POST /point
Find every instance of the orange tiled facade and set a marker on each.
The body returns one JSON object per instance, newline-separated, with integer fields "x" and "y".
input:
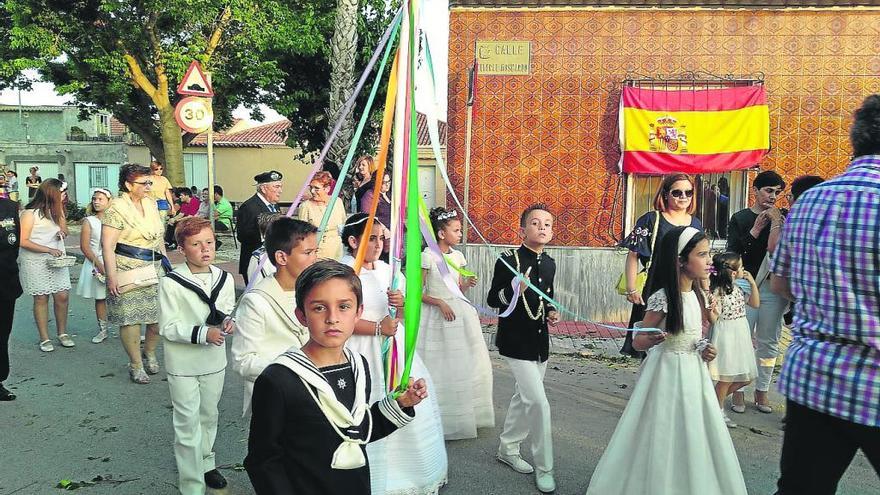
{"x": 552, "y": 136}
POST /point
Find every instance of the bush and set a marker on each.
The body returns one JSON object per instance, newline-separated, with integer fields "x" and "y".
{"x": 74, "y": 212}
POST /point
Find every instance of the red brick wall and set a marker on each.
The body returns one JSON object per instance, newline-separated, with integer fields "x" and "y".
{"x": 552, "y": 136}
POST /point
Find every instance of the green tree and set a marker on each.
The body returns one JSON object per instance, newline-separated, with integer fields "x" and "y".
{"x": 307, "y": 102}
{"x": 128, "y": 56}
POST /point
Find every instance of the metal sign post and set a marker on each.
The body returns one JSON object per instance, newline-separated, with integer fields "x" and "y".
{"x": 210, "y": 160}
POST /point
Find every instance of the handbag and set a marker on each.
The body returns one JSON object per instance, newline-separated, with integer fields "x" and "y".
{"x": 642, "y": 276}
{"x": 136, "y": 278}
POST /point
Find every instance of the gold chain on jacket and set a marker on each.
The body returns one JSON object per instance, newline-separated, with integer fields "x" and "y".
{"x": 540, "y": 312}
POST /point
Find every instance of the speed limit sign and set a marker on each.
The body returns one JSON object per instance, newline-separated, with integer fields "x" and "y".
{"x": 193, "y": 114}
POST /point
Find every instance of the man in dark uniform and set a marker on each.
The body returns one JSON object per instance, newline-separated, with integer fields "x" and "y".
{"x": 524, "y": 342}
{"x": 10, "y": 289}
{"x": 264, "y": 201}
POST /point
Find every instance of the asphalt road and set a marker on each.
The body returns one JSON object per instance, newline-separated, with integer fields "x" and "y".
{"x": 79, "y": 417}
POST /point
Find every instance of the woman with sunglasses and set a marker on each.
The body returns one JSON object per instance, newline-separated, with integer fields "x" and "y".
{"x": 161, "y": 190}
{"x": 674, "y": 206}
{"x": 312, "y": 211}
{"x": 131, "y": 239}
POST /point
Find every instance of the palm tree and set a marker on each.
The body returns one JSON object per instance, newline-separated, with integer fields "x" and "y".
{"x": 343, "y": 51}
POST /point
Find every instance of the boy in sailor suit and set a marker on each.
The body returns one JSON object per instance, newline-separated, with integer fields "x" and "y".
{"x": 311, "y": 420}
{"x": 265, "y": 319}
{"x": 524, "y": 341}
{"x": 195, "y": 300}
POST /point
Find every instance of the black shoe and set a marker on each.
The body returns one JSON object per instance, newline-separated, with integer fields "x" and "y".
{"x": 215, "y": 480}
{"x": 6, "y": 395}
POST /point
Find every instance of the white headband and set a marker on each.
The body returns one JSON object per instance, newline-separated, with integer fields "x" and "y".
{"x": 686, "y": 235}
{"x": 103, "y": 191}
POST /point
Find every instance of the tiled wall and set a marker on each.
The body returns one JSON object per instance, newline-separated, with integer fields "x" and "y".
{"x": 552, "y": 136}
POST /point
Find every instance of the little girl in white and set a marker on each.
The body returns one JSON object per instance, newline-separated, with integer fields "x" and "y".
{"x": 734, "y": 367}
{"x": 671, "y": 438}
{"x": 91, "y": 283}
{"x": 451, "y": 339}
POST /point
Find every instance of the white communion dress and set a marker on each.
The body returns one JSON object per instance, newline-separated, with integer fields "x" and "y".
{"x": 89, "y": 286}
{"x": 671, "y": 438}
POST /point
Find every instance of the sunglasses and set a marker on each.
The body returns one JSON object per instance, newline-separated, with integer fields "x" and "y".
{"x": 678, "y": 193}
{"x": 144, "y": 183}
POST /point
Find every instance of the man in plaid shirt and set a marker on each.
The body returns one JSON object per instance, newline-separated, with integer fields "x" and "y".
{"x": 828, "y": 262}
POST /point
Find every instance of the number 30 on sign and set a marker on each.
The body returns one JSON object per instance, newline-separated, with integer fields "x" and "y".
{"x": 193, "y": 114}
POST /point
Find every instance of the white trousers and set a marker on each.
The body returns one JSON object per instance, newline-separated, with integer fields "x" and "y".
{"x": 766, "y": 323}
{"x": 195, "y": 400}
{"x": 529, "y": 414}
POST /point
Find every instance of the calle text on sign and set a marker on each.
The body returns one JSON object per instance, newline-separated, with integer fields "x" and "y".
{"x": 504, "y": 58}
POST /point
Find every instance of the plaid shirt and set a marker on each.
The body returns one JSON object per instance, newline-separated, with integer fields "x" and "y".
{"x": 829, "y": 250}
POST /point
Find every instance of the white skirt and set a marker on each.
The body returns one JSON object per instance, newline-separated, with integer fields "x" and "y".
{"x": 671, "y": 438}
{"x": 88, "y": 286}
{"x": 458, "y": 360}
{"x": 412, "y": 460}
{"x": 735, "y": 361}
{"x": 38, "y": 279}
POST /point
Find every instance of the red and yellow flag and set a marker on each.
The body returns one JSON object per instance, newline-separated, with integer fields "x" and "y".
{"x": 693, "y": 131}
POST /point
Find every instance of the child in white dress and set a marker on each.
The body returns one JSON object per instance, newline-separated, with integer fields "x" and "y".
{"x": 450, "y": 334}
{"x": 413, "y": 460}
{"x": 671, "y": 438}
{"x": 91, "y": 284}
{"x": 734, "y": 367}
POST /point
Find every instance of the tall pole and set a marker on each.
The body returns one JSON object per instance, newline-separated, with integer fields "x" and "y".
{"x": 210, "y": 160}
{"x": 472, "y": 88}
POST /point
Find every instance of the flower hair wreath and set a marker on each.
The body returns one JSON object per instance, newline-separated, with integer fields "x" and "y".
{"x": 447, "y": 215}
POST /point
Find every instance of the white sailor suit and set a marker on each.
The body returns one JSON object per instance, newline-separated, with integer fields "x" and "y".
{"x": 195, "y": 368}
{"x": 266, "y": 327}
{"x": 524, "y": 342}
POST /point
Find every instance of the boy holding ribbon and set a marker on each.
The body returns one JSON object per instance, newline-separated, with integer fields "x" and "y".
{"x": 311, "y": 420}
{"x": 524, "y": 342}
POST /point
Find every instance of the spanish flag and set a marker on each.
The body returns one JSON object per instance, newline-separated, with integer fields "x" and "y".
{"x": 694, "y": 131}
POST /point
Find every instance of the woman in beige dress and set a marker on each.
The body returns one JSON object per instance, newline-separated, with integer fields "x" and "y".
{"x": 312, "y": 211}
{"x": 133, "y": 248}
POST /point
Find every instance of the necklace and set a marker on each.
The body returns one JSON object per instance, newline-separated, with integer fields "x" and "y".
{"x": 539, "y": 313}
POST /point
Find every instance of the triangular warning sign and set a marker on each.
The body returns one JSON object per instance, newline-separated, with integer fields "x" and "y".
{"x": 195, "y": 83}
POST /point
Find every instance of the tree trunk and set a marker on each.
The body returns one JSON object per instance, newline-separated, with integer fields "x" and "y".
{"x": 172, "y": 142}
{"x": 343, "y": 50}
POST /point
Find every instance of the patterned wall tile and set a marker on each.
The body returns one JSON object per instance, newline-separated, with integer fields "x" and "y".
{"x": 552, "y": 136}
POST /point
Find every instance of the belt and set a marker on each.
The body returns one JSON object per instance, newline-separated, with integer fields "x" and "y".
{"x": 142, "y": 254}
{"x": 834, "y": 339}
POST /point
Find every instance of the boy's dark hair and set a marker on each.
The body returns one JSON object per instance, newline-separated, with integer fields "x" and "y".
{"x": 769, "y": 178}
{"x": 322, "y": 271}
{"x": 354, "y": 227}
{"x": 264, "y": 219}
{"x": 525, "y": 214}
{"x": 284, "y": 234}
{"x": 665, "y": 271}
{"x": 865, "y": 132}
{"x": 802, "y": 183}
{"x": 218, "y": 190}
{"x": 441, "y": 217}
{"x": 184, "y": 191}
{"x": 722, "y": 279}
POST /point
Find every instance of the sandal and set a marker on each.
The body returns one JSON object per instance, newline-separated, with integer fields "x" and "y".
{"x": 151, "y": 364}
{"x": 46, "y": 346}
{"x": 137, "y": 375}
{"x": 738, "y": 408}
{"x": 66, "y": 341}
{"x": 764, "y": 408}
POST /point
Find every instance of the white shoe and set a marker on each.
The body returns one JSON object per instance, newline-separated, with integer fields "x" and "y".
{"x": 515, "y": 462}
{"x": 65, "y": 340}
{"x": 545, "y": 481}
{"x": 729, "y": 422}
{"x": 99, "y": 337}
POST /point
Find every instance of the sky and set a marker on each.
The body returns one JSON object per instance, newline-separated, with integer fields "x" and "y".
{"x": 435, "y": 24}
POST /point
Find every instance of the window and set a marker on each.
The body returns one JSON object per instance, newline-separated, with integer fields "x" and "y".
{"x": 102, "y": 125}
{"x": 718, "y": 196}
{"x": 98, "y": 177}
